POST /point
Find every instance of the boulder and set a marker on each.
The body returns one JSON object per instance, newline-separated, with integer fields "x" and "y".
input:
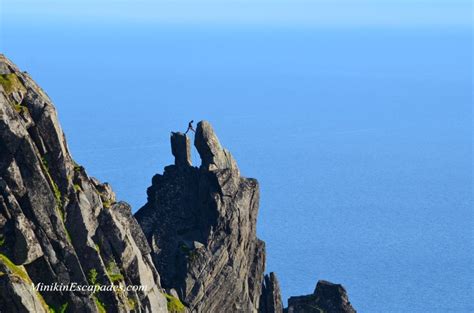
{"x": 327, "y": 297}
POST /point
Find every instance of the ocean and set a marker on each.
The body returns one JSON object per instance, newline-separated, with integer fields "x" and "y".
{"x": 361, "y": 139}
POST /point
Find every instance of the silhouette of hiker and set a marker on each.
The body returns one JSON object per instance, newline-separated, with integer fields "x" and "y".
{"x": 190, "y": 127}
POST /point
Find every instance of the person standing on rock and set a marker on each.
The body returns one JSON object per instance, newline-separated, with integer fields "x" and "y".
{"x": 190, "y": 127}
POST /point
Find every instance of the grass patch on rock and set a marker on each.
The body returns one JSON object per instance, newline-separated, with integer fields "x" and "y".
{"x": 19, "y": 108}
{"x": 92, "y": 276}
{"x": 17, "y": 270}
{"x": 61, "y": 309}
{"x": 56, "y": 191}
{"x": 113, "y": 272}
{"x": 131, "y": 303}
{"x": 174, "y": 304}
{"x": 20, "y": 272}
{"x": 100, "y": 305}
{"x": 11, "y": 83}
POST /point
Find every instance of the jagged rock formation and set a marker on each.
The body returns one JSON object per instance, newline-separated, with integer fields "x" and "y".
{"x": 201, "y": 226}
{"x": 181, "y": 149}
{"x": 60, "y": 226}
{"x": 270, "y": 300}
{"x": 327, "y": 298}
{"x": 57, "y": 224}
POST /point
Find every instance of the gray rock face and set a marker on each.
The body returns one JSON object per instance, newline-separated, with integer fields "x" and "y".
{"x": 270, "y": 300}
{"x": 201, "y": 226}
{"x": 17, "y": 293}
{"x": 213, "y": 156}
{"x": 181, "y": 149}
{"x": 57, "y": 224}
{"x": 197, "y": 230}
{"x": 327, "y": 297}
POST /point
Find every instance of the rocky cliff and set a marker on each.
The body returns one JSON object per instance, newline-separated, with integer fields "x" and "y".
{"x": 201, "y": 225}
{"x": 57, "y": 224}
{"x": 193, "y": 245}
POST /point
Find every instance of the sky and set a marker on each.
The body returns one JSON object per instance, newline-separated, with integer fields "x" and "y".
{"x": 322, "y": 13}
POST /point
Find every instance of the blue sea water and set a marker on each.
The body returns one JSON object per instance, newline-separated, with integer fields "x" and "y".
{"x": 361, "y": 140}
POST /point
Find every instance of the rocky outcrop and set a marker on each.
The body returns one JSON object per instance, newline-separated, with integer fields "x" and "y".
{"x": 181, "y": 149}
{"x": 213, "y": 156}
{"x": 270, "y": 300}
{"x": 201, "y": 226}
{"x": 327, "y": 298}
{"x": 60, "y": 226}
{"x": 57, "y": 224}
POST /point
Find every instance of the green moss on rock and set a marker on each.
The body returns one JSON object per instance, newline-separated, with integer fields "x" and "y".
{"x": 92, "y": 277}
{"x": 11, "y": 83}
{"x": 113, "y": 272}
{"x": 19, "y": 108}
{"x": 56, "y": 191}
{"x": 106, "y": 203}
{"x": 131, "y": 303}
{"x": 20, "y": 272}
{"x": 174, "y": 304}
{"x": 100, "y": 305}
{"x": 16, "y": 270}
{"x": 61, "y": 309}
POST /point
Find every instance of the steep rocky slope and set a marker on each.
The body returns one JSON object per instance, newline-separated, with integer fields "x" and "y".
{"x": 201, "y": 226}
{"x": 57, "y": 224}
